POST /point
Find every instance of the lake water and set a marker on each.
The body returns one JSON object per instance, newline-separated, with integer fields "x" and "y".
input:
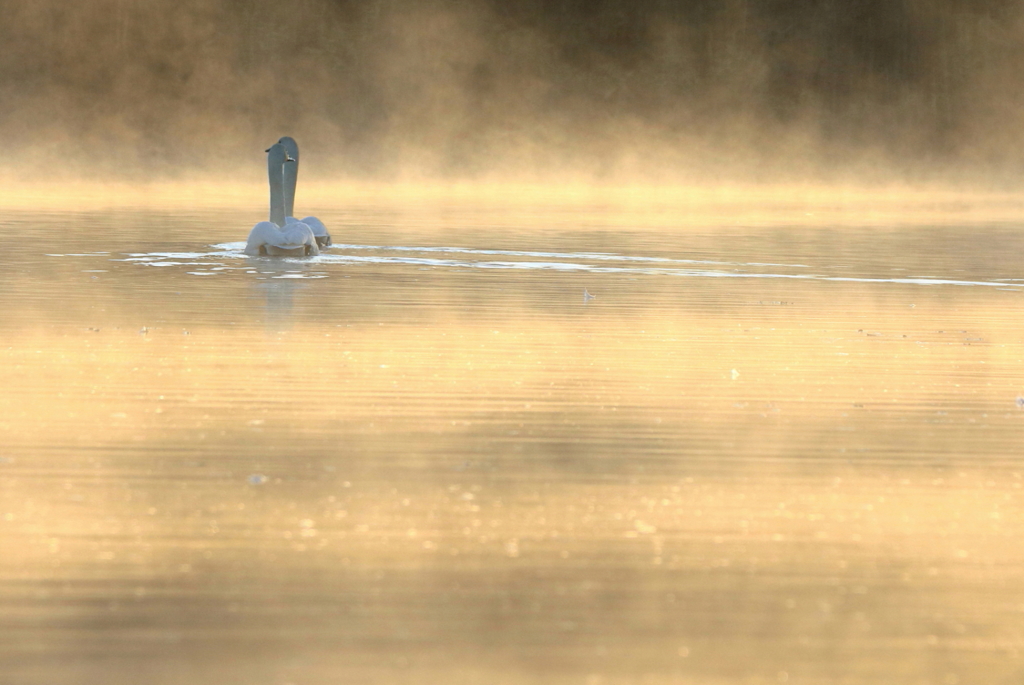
{"x": 762, "y": 452}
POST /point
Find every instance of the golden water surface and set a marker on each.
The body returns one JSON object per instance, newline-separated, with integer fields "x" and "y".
{"x": 764, "y": 451}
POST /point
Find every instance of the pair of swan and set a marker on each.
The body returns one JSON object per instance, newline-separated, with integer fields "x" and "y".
{"x": 284, "y": 235}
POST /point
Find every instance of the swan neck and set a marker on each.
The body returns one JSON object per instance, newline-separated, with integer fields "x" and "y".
{"x": 290, "y": 174}
{"x": 274, "y": 172}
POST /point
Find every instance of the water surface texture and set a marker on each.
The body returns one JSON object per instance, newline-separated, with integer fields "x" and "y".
{"x": 748, "y": 454}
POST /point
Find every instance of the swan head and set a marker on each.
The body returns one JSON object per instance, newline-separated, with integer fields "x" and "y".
{"x": 277, "y": 154}
{"x": 290, "y": 146}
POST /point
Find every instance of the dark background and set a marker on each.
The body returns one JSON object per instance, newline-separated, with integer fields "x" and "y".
{"x": 645, "y": 90}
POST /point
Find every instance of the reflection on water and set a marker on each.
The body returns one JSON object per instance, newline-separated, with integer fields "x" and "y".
{"x": 407, "y": 462}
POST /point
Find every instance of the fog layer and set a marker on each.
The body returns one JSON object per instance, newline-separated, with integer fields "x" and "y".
{"x": 648, "y": 89}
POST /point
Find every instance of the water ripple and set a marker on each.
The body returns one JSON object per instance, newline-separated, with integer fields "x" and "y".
{"x": 585, "y": 262}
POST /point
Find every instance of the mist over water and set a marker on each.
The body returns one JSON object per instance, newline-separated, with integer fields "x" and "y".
{"x": 661, "y": 342}
{"x": 649, "y": 90}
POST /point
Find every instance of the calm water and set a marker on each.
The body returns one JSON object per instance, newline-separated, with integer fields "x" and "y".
{"x": 757, "y": 455}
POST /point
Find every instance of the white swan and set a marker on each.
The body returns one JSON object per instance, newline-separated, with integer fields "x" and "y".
{"x": 291, "y": 177}
{"x": 276, "y": 238}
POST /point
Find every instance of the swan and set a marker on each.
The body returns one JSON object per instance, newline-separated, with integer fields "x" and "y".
{"x": 277, "y": 238}
{"x": 291, "y": 176}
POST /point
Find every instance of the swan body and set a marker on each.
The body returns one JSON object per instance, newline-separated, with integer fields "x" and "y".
{"x": 290, "y": 178}
{"x": 296, "y": 240}
{"x": 277, "y": 237}
{"x": 323, "y": 238}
